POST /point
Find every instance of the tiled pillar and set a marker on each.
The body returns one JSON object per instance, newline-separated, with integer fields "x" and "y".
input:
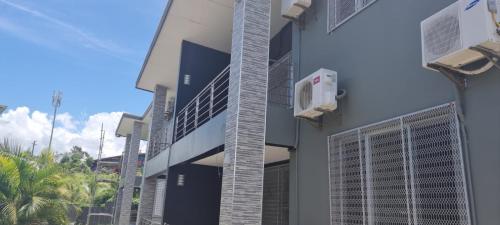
{"x": 241, "y": 201}
{"x": 119, "y": 195}
{"x": 148, "y": 185}
{"x": 130, "y": 174}
{"x": 147, "y": 199}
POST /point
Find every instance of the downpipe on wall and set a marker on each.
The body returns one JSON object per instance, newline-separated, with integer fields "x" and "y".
{"x": 459, "y": 101}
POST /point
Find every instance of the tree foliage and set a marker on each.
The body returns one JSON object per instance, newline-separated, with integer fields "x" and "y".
{"x": 41, "y": 190}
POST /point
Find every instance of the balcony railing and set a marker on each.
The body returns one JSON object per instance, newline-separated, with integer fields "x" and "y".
{"x": 212, "y": 100}
{"x": 161, "y": 140}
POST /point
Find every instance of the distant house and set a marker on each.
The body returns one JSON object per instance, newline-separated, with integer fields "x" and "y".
{"x": 113, "y": 163}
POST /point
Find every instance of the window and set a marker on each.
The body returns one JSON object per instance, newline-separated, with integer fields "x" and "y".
{"x": 161, "y": 186}
{"x": 339, "y": 11}
{"x": 407, "y": 170}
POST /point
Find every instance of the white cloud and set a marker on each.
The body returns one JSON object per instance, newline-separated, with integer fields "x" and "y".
{"x": 23, "y": 126}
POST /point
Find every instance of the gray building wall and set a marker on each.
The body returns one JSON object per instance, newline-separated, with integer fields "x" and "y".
{"x": 377, "y": 55}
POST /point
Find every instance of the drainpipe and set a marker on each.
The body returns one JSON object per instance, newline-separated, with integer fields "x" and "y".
{"x": 459, "y": 101}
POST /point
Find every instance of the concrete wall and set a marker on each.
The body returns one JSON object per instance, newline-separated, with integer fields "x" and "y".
{"x": 377, "y": 55}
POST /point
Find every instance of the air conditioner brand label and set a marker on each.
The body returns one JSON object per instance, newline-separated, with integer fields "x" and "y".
{"x": 471, "y": 4}
{"x": 316, "y": 80}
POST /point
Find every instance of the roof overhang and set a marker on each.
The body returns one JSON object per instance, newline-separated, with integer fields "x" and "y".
{"x": 126, "y": 124}
{"x": 204, "y": 22}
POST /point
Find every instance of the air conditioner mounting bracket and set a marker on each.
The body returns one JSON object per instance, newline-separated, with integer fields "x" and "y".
{"x": 489, "y": 54}
{"x": 316, "y": 122}
{"x": 453, "y": 75}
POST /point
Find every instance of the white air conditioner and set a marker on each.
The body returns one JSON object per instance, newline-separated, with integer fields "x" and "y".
{"x": 316, "y": 94}
{"x": 448, "y": 34}
{"x": 293, "y": 8}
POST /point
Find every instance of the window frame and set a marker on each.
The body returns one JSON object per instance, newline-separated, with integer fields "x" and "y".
{"x": 358, "y": 9}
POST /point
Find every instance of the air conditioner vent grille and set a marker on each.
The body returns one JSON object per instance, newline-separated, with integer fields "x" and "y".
{"x": 306, "y": 95}
{"x": 441, "y": 34}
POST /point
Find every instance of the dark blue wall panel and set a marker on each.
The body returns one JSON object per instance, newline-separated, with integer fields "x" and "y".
{"x": 198, "y": 201}
{"x": 203, "y": 64}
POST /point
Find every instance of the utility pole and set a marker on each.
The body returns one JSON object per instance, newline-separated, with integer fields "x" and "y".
{"x": 33, "y": 148}
{"x": 96, "y": 173}
{"x": 56, "y": 102}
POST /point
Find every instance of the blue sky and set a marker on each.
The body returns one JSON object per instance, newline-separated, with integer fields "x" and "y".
{"x": 91, "y": 50}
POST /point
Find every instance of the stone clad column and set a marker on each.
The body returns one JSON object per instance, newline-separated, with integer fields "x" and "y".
{"x": 123, "y": 166}
{"x": 130, "y": 174}
{"x": 242, "y": 183}
{"x": 149, "y": 184}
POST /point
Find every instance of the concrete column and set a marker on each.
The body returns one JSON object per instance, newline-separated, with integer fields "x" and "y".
{"x": 147, "y": 199}
{"x": 148, "y": 185}
{"x": 130, "y": 174}
{"x": 158, "y": 112}
{"x": 123, "y": 166}
{"x": 241, "y": 200}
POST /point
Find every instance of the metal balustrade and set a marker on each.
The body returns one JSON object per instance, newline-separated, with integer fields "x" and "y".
{"x": 212, "y": 100}
{"x": 160, "y": 141}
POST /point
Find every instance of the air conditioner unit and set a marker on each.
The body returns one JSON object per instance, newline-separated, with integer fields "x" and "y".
{"x": 448, "y": 35}
{"x": 316, "y": 94}
{"x": 294, "y": 8}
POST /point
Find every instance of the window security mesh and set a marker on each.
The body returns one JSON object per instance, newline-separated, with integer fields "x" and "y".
{"x": 161, "y": 186}
{"x": 339, "y": 11}
{"x": 407, "y": 170}
{"x": 280, "y": 86}
{"x": 275, "y": 200}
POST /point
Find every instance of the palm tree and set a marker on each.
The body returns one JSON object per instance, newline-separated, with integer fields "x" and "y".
{"x": 31, "y": 191}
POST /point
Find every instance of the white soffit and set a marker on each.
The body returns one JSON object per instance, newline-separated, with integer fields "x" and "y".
{"x": 205, "y": 22}
{"x": 127, "y": 123}
{"x": 273, "y": 154}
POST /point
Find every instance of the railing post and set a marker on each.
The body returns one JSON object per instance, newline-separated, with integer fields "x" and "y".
{"x": 176, "y": 123}
{"x": 196, "y": 112}
{"x": 211, "y": 99}
{"x": 185, "y": 121}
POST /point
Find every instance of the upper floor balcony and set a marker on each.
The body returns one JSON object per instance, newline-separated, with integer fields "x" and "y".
{"x": 212, "y": 100}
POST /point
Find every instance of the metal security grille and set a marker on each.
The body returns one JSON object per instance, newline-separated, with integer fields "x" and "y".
{"x": 161, "y": 186}
{"x": 339, "y": 11}
{"x": 280, "y": 88}
{"x": 407, "y": 170}
{"x": 275, "y": 198}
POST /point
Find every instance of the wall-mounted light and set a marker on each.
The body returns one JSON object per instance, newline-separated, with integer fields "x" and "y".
{"x": 187, "y": 79}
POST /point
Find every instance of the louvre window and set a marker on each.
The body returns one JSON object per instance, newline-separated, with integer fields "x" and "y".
{"x": 339, "y": 11}
{"x": 161, "y": 186}
{"x": 407, "y": 170}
